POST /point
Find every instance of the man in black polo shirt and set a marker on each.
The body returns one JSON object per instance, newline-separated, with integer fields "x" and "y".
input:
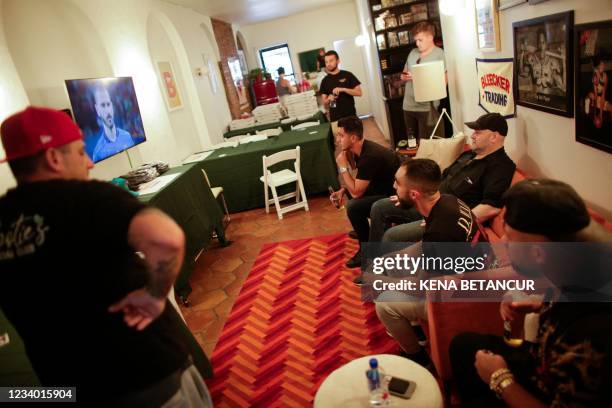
{"x": 479, "y": 178}
{"x": 376, "y": 166}
{"x": 85, "y": 269}
{"x": 338, "y": 90}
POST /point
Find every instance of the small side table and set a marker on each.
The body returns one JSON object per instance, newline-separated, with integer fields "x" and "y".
{"x": 407, "y": 154}
{"x": 348, "y": 387}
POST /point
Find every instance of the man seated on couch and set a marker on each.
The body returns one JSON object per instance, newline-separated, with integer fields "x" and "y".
{"x": 570, "y": 363}
{"x": 376, "y": 166}
{"x": 447, "y": 219}
{"x": 478, "y": 177}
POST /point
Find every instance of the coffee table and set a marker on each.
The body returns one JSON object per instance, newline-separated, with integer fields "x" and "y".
{"x": 348, "y": 387}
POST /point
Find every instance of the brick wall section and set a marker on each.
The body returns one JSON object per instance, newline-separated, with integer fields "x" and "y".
{"x": 227, "y": 49}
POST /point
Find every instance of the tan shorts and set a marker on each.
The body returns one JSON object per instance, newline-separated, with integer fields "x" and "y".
{"x": 334, "y": 128}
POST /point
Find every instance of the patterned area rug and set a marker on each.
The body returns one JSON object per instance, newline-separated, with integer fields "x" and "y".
{"x": 298, "y": 317}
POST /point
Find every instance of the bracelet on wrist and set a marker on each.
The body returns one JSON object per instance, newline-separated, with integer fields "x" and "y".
{"x": 500, "y": 380}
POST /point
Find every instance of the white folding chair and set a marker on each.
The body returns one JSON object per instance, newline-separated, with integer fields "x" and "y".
{"x": 218, "y": 191}
{"x": 305, "y": 125}
{"x": 270, "y": 132}
{"x": 282, "y": 177}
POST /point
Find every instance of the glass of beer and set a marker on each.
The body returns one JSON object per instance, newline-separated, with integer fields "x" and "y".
{"x": 337, "y": 202}
{"x": 514, "y": 332}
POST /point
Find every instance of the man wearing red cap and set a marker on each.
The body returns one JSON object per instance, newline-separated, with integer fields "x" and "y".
{"x": 96, "y": 266}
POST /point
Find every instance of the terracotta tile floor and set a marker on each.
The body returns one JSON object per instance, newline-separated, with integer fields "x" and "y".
{"x": 220, "y": 272}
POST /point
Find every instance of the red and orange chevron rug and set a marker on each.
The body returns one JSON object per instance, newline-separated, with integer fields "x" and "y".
{"x": 298, "y": 317}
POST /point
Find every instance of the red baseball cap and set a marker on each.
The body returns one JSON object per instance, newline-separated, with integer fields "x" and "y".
{"x": 35, "y": 129}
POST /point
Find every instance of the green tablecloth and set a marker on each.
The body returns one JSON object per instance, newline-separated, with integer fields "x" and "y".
{"x": 189, "y": 201}
{"x": 320, "y": 116}
{"x": 15, "y": 367}
{"x": 238, "y": 169}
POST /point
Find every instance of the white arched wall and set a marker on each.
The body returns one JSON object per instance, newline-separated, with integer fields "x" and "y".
{"x": 213, "y": 104}
{"x": 54, "y": 40}
{"x": 12, "y": 97}
{"x": 51, "y": 41}
{"x": 165, "y": 45}
{"x": 240, "y": 40}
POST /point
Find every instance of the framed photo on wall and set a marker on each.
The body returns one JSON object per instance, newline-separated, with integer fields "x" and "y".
{"x": 544, "y": 68}
{"x": 593, "y": 67}
{"x": 487, "y": 25}
{"x": 504, "y": 4}
{"x": 169, "y": 85}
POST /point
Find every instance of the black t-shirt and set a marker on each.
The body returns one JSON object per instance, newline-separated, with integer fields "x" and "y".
{"x": 345, "y": 103}
{"x": 378, "y": 165}
{"x": 451, "y": 220}
{"x": 64, "y": 259}
{"x": 482, "y": 181}
{"x": 452, "y": 230}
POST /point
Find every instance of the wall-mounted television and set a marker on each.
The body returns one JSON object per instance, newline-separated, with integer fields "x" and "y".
{"x": 106, "y": 110}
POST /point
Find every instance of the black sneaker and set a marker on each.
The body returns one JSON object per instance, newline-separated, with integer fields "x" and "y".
{"x": 421, "y": 358}
{"x": 420, "y": 334}
{"x": 355, "y": 261}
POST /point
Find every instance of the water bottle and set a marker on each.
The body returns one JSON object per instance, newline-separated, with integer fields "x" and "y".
{"x": 412, "y": 142}
{"x": 379, "y": 395}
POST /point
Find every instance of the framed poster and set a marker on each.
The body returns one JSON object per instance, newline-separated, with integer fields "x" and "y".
{"x": 593, "y": 66}
{"x": 487, "y": 25}
{"x": 212, "y": 73}
{"x": 169, "y": 85}
{"x": 544, "y": 69}
{"x": 495, "y": 86}
{"x": 504, "y": 4}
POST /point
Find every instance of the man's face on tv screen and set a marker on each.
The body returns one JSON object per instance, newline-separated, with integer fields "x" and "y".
{"x": 104, "y": 108}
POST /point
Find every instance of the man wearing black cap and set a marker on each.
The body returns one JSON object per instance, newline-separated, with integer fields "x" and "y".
{"x": 85, "y": 270}
{"x": 478, "y": 177}
{"x": 570, "y": 363}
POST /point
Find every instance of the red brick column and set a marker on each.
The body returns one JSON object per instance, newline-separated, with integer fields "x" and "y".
{"x": 227, "y": 49}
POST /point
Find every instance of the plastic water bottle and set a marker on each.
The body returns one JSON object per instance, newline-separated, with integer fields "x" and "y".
{"x": 379, "y": 395}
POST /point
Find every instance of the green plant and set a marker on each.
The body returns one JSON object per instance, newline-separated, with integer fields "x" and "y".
{"x": 256, "y": 74}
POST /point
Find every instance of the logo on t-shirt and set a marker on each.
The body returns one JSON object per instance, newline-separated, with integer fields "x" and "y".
{"x": 22, "y": 237}
{"x": 342, "y": 80}
{"x": 465, "y": 220}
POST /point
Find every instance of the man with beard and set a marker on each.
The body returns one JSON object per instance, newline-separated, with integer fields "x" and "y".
{"x": 570, "y": 362}
{"x": 338, "y": 90}
{"x": 376, "y": 166}
{"x": 447, "y": 219}
{"x": 111, "y": 139}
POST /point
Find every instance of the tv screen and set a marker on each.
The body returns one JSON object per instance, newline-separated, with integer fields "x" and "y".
{"x": 106, "y": 110}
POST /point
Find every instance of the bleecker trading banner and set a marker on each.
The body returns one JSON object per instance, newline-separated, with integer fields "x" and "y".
{"x": 495, "y": 86}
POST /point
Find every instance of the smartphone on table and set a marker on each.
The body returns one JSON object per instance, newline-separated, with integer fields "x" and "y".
{"x": 401, "y": 388}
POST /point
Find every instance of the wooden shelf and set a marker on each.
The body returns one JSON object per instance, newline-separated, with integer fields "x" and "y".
{"x": 403, "y": 27}
{"x": 391, "y": 71}
{"x": 397, "y": 6}
{"x": 400, "y": 48}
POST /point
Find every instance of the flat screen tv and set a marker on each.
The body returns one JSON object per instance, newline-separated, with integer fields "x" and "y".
{"x": 106, "y": 110}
